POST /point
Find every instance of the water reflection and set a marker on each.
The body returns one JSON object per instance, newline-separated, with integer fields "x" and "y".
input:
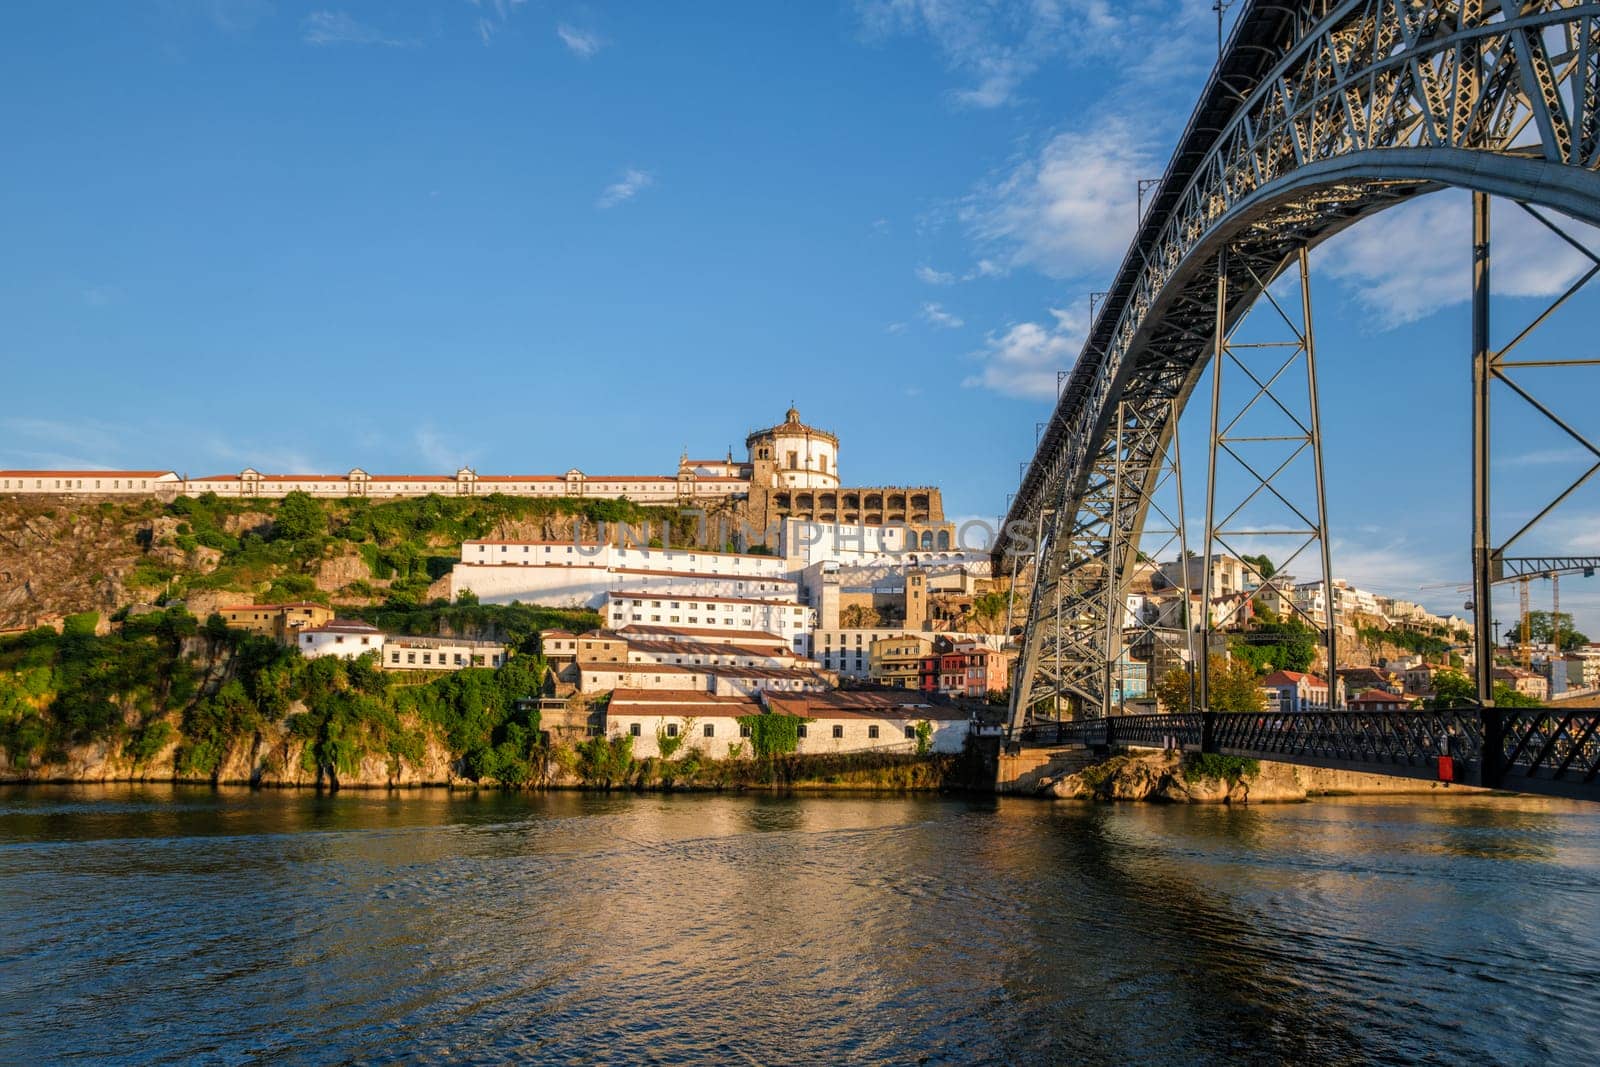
{"x": 776, "y": 929}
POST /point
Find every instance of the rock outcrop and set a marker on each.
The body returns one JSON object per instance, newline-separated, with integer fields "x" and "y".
{"x": 1170, "y": 777}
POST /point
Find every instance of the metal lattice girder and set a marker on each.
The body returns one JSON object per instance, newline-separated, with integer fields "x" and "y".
{"x": 1318, "y": 114}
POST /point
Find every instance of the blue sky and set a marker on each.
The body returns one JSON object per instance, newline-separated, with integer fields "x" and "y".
{"x": 534, "y": 235}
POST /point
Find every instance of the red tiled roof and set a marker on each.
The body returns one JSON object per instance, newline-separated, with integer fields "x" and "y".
{"x": 274, "y": 607}
{"x": 1277, "y": 678}
{"x": 903, "y": 704}
{"x": 755, "y": 638}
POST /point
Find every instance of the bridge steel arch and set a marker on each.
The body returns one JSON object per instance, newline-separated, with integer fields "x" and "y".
{"x": 1319, "y": 113}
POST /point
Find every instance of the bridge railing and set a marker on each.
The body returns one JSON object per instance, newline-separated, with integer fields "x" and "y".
{"x": 1545, "y": 750}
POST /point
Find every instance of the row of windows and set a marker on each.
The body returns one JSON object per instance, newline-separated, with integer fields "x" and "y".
{"x": 460, "y": 660}
{"x": 710, "y": 730}
{"x": 38, "y": 483}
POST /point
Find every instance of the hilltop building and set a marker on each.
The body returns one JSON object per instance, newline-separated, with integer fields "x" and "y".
{"x": 791, "y": 469}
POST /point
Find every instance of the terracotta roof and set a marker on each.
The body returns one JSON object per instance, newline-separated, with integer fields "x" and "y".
{"x": 557, "y": 633}
{"x": 704, "y": 648}
{"x": 274, "y": 607}
{"x": 675, "y": 696}
{"x": 757, "y": 638}
{"x": 675, "y": 703}
{"x": 1277, "y": 678}
{"x": 899, "y": 704}
{"x": 642, "y": 668}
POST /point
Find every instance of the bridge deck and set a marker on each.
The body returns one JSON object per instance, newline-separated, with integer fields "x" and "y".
{"x": 1551, "y": 751}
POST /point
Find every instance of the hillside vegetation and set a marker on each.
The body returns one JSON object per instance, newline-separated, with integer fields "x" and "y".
{"x": 58, "y": 556}
{"x": 167, "y": 696}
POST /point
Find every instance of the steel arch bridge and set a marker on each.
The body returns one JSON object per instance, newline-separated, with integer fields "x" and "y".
{"x": 1319, "y": 113}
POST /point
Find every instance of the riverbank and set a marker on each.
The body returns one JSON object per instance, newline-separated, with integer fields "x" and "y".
{"x": 1193, "y": 778}
{"x": 593, "y": 767}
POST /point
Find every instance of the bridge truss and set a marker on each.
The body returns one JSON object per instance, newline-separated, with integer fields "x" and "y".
{"x": 1318, "y": 114}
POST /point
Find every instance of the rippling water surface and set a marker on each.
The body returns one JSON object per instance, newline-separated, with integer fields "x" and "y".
{"x": 154, "y": 924}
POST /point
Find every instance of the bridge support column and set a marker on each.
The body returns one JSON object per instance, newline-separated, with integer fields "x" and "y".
{"x": 1270, "y": 438}
{"x": 1482, "y": 374}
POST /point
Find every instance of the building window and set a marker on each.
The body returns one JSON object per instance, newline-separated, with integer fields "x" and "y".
{"x": 838, "y": 731}
{"x": 711, "y": 730}
{"x": 800, "y": 731}
{"x": 911, "y": 732}
{"x": 672, "y": 729}
{"x": 872, "y": 731}
{"x": 633, "y": 729}
{"x": 744, "y": 731}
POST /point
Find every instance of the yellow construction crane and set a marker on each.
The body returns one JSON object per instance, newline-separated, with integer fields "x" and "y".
{"x": 1522, "y": 601}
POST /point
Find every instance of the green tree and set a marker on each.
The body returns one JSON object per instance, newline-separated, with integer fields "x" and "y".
{"x": 299, "y": 518}
{"x": 1507, "y": 697}
{"x": 1173, "y": 690}
{"x": 1542, "y": 626}
{"x": 1263, "y": 566}
{"x": 1277, "y": 646}
{"x": 1233, "y": 686}
{"x": 1452, "y": 689}
{"x": 988, "y": 611}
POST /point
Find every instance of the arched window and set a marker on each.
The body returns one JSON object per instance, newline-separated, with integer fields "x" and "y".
{"x": 927, "y": 539}
{"x": 944, "y": 539}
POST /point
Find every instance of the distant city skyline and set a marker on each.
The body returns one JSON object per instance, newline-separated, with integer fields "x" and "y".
{"x": 523, "y": 238}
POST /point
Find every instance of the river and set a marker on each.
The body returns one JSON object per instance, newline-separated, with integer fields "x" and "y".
{"x": 160, "y": 924}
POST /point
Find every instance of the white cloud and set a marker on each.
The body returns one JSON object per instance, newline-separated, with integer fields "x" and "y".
{"x": 50, "y": 443}
{"x": 1436, "y": 270}
{"x": 1547, "y": 457}
{"x": 581, "y": 43}
{"x": 934, "y": 277}
{"x": 337, "y": 27}
{"x": 936, "y": 315}
{"x": 995, "y": 46}
{"x": 1023, "y": 360}
{"x": 625, "y": 189}
{"x": 237, "y": 16}
{"x": 1069, "y": 211}
{"x": 895, "y": 327}
{"x": 439, "y": 453}
{"x": 496, "y": 13}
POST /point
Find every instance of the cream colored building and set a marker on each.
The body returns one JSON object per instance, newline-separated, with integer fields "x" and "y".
{"x": 440, "y": 654}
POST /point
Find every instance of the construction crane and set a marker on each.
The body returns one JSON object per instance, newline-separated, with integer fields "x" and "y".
{"x": 1522, "y": 603}
{"x": 1522, "y": 571}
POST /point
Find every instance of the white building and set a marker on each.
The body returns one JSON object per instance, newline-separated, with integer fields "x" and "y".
{"x": 341, "y": 637}
{"x": 803, "y": 457}
{"x": 708, "y": 724}
{"x": 440, "y": 654}
{"x": 564, "y": 574}
{"x": 835, "y": 722}
{"x": 791, "y": 621}
{"x": 860, "y": 721}
{"x": 722, "y": 680}
{"x": 110, "y": 483}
